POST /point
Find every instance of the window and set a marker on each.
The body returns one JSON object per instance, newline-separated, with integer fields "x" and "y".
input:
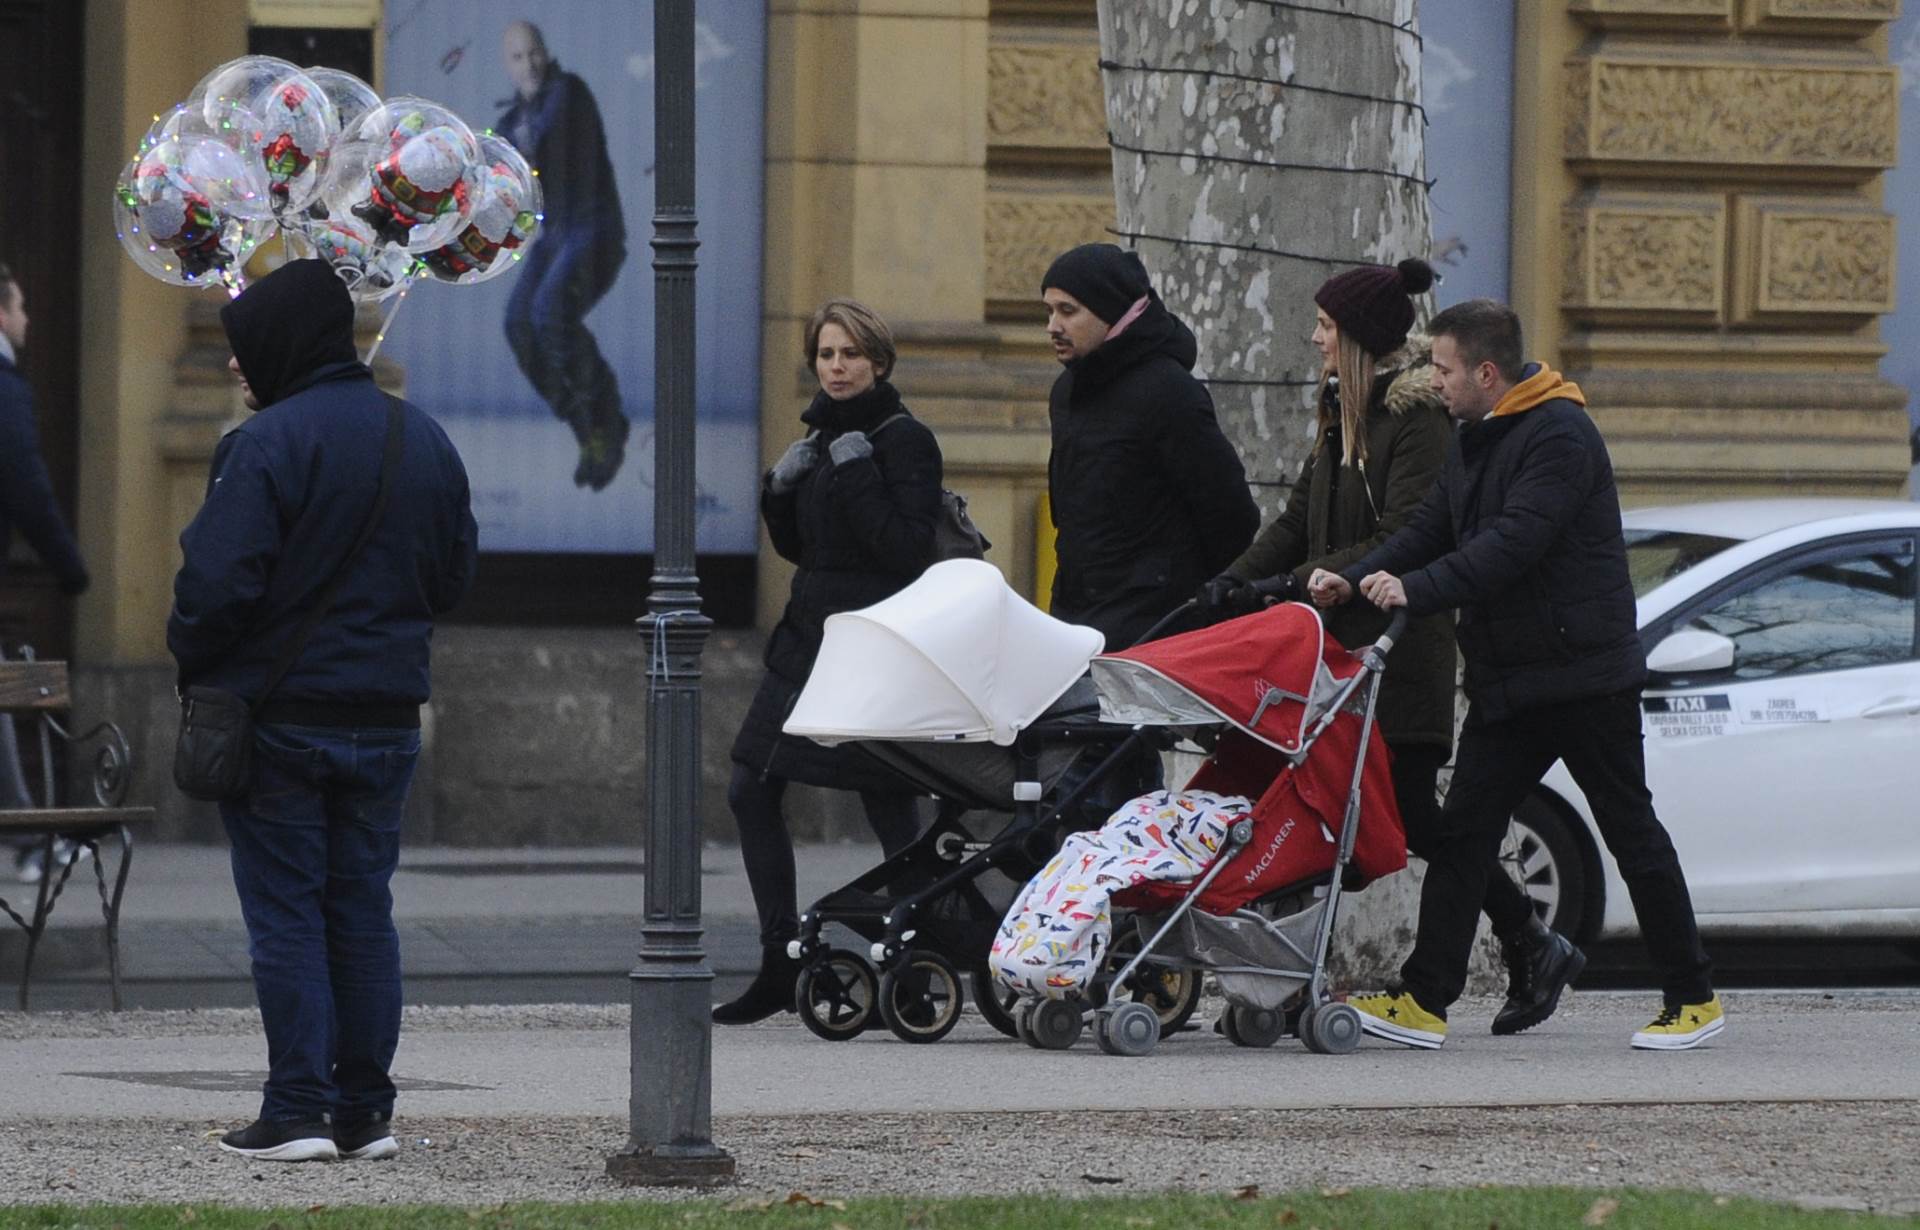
{"x": 1655, "y": 557}
{"x": 1846, "y": 609}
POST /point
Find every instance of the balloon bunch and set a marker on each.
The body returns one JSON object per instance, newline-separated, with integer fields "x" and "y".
{"x": 385, "y": 191}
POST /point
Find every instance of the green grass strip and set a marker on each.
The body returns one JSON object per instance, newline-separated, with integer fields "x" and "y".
{"x": 1333, "y": 1209}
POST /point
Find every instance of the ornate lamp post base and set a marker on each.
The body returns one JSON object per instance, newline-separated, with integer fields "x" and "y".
{"x": 669, "y": 1166}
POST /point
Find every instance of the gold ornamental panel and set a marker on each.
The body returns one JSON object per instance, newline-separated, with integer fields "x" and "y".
{"x": 1706, "y": 15}
{"x": 1046, "y": 95}
{"x": 1798, "y": 260}
{"x": 1847, "y": 18}
{"x": 1645, "y": 256}
{"x": 1025, "y": 232}
{"x": 1631, "y": 114}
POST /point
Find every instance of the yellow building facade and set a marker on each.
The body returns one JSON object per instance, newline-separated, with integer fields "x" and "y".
{"x": 1697, "y": 237}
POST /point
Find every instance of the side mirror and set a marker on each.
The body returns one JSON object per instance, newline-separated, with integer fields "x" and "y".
{"x": 1691, "y": 651}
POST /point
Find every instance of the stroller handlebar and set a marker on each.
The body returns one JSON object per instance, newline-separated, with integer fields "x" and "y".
{"x": 1396, "y": 625}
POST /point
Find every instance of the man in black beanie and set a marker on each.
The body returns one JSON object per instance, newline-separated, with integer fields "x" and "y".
{"x": 1148, "y": 496}
{"x": 316, "y": 831}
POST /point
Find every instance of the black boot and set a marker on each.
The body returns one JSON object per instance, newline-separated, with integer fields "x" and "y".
{"x": 770, "y": 992}
{"x": 1540, "y": 964}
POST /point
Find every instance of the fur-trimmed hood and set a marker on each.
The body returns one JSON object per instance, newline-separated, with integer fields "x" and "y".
{"x": 1409, "y": 374}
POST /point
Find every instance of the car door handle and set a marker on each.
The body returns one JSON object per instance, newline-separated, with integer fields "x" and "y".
{"x": 1902, "y": 706}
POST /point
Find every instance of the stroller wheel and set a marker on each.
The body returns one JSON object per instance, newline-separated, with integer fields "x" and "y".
{"x": 837, "y": 995}
{"x": 995, "y": 1002}
{"x": 920, "y": 998}
{"x": 1172, "y": 992}
{"x": 1131, "y": 1029}
{"x": 1054, "y": 1024}
{"x": 1247, "y": 1026}
{"x": 1334, "y": 1027}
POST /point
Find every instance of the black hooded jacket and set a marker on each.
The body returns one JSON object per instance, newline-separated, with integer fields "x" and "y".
{"x": 1149, "y": 497}
{"x": 1522, "y": 535}
{"x": 288, "y": 494}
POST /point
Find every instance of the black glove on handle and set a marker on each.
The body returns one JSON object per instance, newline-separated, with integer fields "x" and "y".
{"x": 1218, "y": 594}
{"x": 1284, "y": 588}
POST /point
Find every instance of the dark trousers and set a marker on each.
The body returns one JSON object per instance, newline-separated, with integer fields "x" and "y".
{"x": 315, "y": 842}
{"x": 1416, "y": 776}
{"x": 1499, "y": 763}
{"x": 562, "y": 277}
{"x": 766, "y": 847}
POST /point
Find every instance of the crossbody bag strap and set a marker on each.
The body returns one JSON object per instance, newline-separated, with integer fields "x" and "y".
{"x": 389, "y": 462}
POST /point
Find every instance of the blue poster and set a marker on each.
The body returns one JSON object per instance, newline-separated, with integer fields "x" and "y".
{"x": 544, "y": 376}
{"x": 1901, "y": 330}
{"x": 1466, "y": 85}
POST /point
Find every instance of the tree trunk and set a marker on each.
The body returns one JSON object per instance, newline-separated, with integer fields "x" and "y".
{"x": 1260, "y": 147}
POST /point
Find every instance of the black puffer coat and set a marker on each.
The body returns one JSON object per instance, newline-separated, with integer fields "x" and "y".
{"x": 1149, "y": 497}
{"x": 1522, "y": 534}
{"x": 859, "y": 532}
{"x": 1333, "y": 517}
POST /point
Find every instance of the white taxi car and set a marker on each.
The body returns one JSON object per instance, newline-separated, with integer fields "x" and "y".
{"x": 1782, "y": 720}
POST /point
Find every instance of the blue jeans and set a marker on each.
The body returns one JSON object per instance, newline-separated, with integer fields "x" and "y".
{"x": 315, "y": 842}
{"x": 562, "y": 278}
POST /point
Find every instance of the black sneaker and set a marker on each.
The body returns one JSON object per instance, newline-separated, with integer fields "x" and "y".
{"x": 283, "y": 1140}
{"x": 365, "y": 1140}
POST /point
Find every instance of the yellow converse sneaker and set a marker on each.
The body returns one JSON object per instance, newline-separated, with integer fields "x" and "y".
{"x": 1682, "y": 1028}
{"x": 1396, "y": 1017}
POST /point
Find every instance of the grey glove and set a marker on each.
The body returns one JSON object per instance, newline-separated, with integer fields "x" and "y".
{"x": 850, "y": 447}
{"x": 802, "y": 455}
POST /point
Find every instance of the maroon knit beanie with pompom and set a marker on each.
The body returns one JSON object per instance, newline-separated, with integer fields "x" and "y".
{"x": 1373, "y": 304}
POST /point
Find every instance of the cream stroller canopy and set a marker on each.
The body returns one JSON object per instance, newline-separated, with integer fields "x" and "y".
{"x": 955, "y": 656}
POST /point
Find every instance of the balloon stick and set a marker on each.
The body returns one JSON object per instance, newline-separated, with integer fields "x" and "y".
{"x": 392, "y": 310}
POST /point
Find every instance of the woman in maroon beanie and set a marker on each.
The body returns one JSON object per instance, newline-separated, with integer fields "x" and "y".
{"x": 1373, "y": 459}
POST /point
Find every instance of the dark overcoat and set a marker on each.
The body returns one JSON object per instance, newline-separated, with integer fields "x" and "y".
{"x": 859, "y": 531}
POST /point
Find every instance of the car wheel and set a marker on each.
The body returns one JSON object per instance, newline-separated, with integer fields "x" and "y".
{"x": 1543, "y": 856}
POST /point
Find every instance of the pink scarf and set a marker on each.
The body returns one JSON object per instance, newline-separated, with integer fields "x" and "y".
{"x": 1133, "y": 314}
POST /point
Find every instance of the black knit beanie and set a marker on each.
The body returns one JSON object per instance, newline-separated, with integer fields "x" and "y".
{"x": 1372, "y": 304}
{"x": 1105, "y": 278}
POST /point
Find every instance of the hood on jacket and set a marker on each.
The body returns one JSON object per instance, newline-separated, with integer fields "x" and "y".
{"x": 289, "y": 326}
{"x": 1542, "y": 385}
{"x": 1157, "y": 331}
{"x": 1408, "y": 372}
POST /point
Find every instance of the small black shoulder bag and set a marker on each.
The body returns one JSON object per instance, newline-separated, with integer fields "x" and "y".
{"x": 213, "y": 758}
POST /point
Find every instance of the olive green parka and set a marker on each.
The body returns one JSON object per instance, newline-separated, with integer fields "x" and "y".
{"x": 1332, "y": 520}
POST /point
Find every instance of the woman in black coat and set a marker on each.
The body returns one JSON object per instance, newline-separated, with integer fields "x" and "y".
{"x": 853, "y": 503}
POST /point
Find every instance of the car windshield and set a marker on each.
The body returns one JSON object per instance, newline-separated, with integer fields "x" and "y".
{"x": 1655, "y": 557}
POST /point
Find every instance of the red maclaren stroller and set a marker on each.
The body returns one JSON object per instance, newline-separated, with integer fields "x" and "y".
{"x": 1288, "y": 712}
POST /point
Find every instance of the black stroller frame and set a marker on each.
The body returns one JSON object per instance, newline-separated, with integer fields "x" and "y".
{"x": 1324, "y": 1026}
{"x": 922, "y": 909}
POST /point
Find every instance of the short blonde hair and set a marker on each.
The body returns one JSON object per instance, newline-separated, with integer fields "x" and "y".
{"x": 862, "y": 324}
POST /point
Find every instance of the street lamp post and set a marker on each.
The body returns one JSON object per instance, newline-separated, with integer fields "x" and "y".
{"x": 670, "y": 1106}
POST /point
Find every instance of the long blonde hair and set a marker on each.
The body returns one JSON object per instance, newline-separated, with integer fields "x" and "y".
{"x": 1357, "y": 368}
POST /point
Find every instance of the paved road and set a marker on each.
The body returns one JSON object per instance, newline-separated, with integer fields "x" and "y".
{"x": 1804, "y": 1098}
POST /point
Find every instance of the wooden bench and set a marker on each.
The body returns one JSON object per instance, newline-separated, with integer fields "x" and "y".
{"x": 37, "y": 695}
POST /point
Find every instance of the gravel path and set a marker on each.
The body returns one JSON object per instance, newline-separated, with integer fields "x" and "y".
{"x": 1832, "y": 1154}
